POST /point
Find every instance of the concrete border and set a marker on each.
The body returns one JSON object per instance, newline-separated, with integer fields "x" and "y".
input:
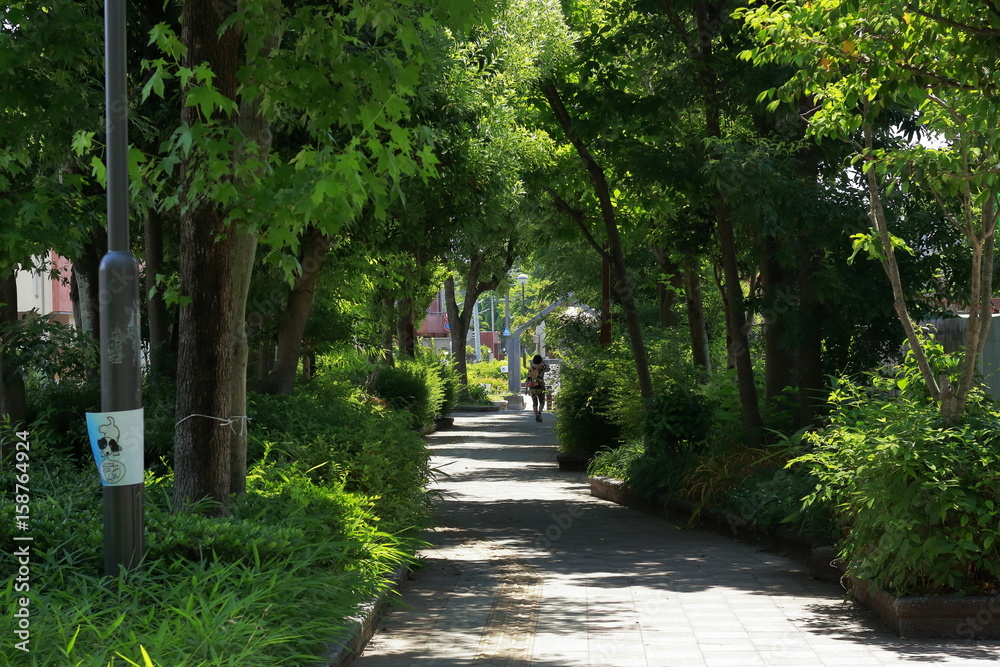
{"x": 933, "y": 617}
{"x": 361, "y": 627}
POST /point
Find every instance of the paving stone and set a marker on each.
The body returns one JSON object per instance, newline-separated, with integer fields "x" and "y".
{"x": 526, "y": 568}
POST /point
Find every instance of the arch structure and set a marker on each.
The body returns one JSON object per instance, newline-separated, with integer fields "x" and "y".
{"x": 514, "y": 344}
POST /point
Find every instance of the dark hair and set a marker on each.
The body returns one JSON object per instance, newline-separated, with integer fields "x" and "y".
{"x": 537, "y": 359}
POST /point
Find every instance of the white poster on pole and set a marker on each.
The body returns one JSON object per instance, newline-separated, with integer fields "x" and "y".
{"x": 117, "y": 440}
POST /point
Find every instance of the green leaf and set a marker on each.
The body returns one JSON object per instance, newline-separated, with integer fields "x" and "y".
{"x": 208, "y": 100}
{"x": 155, "y": 85}
{"x": 82, "y": 142}
{"x": 98, "y": 169}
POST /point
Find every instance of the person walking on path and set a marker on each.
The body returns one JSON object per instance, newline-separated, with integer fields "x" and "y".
{"x": 536, "y": 384}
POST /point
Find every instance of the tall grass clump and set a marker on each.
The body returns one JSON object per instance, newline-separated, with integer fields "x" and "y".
{"x": 335, "y": 494}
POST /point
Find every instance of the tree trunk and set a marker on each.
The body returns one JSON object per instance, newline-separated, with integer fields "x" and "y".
{"x": 308, "y": 365}
{"x": 388, "y": 326}
{"x": 877, "y": 216}
{"x": 256, "y": 132}
{"x": 779, "y": 358}
{"x": 156, "y": 308}
{"x": 281, "y": 379}
{"x": 212, "y": 322}
{"x": 667, "y": 294}
{"x": 85, "y": 268}
{"x": 700, "y": 46}
{"x": 812, "y": 384}
{"x": 605, "y": 336}
{"x": 739, "y": 344}
{"x": 406, "y": 331}
{"x": 621, "y": 287}
{"x": 459, "y": 331}
{"x": 264, "y": 363}
{"x": 700, "y": 352}
{"x": 13, "y": 399}
{"x": 810, "y": 353}
{"x": 244, "y": 252}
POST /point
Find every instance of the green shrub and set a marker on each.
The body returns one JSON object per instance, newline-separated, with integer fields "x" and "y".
{"x": 918, "y": 501}
{"x": 615, "y": 461}
{"x": 677, "y": 418}
{"x": 450, "y": 387}
{"x": 337, "y": 432}
{"x": 584, "y": 403}
{"x": 158, "y": 400}
{"x": 61, "y": 407}
{"x": 487, "y": 373}
{"x": 48, "y": 349}
{"x": 475, "y": 394}
{"x": 772, "y": 498}
{"x": 411, "y": 386}
{"x": 658, "y": 472}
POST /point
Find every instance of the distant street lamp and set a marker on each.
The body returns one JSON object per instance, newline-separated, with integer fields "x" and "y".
{"x": 523, "y": 279}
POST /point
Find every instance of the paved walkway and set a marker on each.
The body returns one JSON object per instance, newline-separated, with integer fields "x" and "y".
{"x": 526, "y": 568}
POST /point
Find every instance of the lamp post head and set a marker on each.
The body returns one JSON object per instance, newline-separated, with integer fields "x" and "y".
{"x": 523, "y": 279}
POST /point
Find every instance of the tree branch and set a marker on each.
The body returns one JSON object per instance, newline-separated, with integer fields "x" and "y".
{"x": 972, "y": 30}
{"x": 578, "y": 218}
{"x": 877, "y": 215}
{"x": 992, "y": 7}
{"x": 685, "y": 36}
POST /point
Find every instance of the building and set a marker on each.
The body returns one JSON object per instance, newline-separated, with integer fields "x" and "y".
{"x": 435, "y": 331}
{"x": 47, "y": 293}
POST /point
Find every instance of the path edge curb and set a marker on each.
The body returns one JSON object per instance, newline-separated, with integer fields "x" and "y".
{"x": 361, "y": 627}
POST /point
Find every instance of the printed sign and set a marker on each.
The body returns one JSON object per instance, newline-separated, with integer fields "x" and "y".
{"x": 116, "y": 439}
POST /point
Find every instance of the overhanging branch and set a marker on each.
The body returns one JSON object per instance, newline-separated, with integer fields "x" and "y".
{"x": 580, "y": 221}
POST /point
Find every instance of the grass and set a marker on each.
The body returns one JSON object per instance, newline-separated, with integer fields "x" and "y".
{"x": 335, "y": 496}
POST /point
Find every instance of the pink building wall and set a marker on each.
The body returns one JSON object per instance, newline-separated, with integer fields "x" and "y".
{"x": 61, "y": 303}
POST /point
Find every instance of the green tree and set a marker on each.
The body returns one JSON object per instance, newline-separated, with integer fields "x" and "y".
{"x": 342, "y": 78}
{"x": 860, "y": 60}
{"x": 47, "y": 93}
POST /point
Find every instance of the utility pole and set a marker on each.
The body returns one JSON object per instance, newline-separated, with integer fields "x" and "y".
{"x": 506, "y": 325}
{"x": 476, "y": 339}
{"x": 118, "y": 284}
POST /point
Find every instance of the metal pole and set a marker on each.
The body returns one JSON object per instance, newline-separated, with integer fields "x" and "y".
{"x": 118, "y": 283}
{"x": 476, "y": 339}
{"x": 506, "y": 325}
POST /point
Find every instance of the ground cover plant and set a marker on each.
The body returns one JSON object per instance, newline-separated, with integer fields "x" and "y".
{"x": 335, "y": 494}
{"x": 486, "y": 382}
{"x": 917, "y": 498}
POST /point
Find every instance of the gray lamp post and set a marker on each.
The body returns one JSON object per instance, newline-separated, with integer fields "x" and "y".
{"x": 118, "y": 283}
{"x": 523, "y": 279}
